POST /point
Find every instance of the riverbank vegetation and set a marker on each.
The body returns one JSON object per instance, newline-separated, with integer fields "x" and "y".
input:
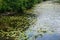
{"x": 14, "y": 6}
{"x": 13, "y": 18}
{"x": 13, "y": 26}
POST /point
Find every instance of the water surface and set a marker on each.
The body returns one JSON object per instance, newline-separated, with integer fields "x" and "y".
{"x": 47, "y": 24}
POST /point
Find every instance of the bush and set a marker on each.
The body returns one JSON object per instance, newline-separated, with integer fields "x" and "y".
{"x": 16, "y": 5}
{"x": 13, "y": 27}
{"x": 14, "y": 22}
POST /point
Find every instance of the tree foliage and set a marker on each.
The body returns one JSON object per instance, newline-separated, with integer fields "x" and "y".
{"x": 16, "y": 5}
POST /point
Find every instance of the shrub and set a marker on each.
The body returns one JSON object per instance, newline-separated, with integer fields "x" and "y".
{"x": 16, "y": 5}
{"x": 13, "y": 27}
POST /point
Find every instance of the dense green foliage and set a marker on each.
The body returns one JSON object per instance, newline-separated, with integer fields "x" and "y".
{"x": 12, "y": 27}
{"x": 17, "y": 5}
